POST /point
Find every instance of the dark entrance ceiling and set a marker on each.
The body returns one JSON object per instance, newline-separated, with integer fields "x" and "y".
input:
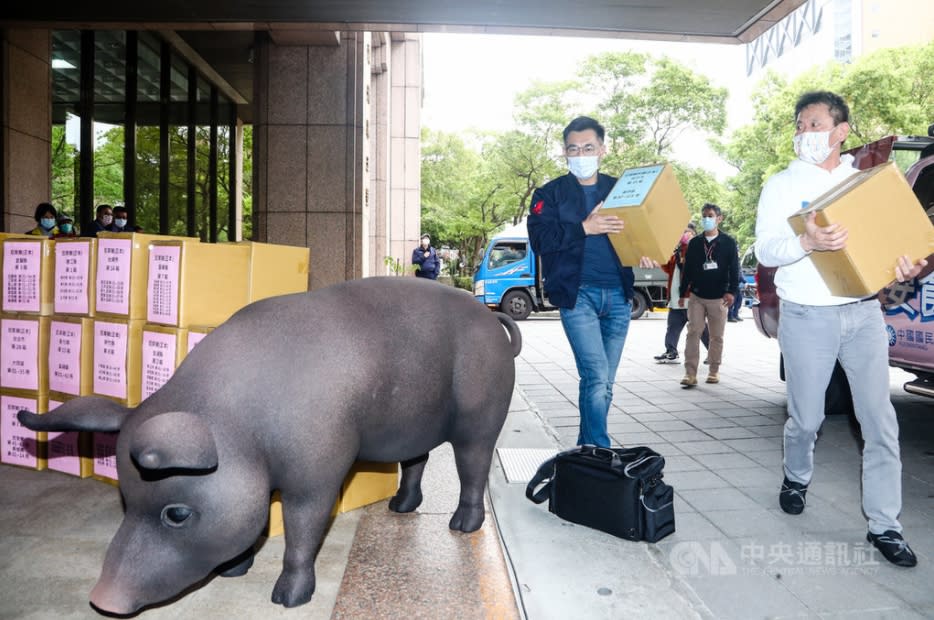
{"x": 221, "y": 31}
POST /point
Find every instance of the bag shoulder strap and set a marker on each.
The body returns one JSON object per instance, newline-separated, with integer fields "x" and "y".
{"x": 545, "y": 474}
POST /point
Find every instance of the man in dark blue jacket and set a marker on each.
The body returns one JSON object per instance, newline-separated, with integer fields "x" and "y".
{"x": 425, "y": 258}
{"x": 582, "y": 275}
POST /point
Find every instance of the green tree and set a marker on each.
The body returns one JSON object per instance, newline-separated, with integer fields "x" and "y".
{"x": 887, "y": 94}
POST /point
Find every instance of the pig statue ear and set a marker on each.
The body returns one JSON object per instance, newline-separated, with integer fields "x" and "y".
{"x": 174, "y": 440}
{"x": 90, "y": 413}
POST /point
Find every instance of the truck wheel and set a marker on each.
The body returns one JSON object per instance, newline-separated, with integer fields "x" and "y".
{"x": 639, "y": 305}
{"x": 517, "y": 304}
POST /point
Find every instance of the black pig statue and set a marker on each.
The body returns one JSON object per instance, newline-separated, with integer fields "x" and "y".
{"x": 286, "y": 395}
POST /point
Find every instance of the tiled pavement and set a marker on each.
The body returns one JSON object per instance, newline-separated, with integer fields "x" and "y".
{"x": 735, "y": 554}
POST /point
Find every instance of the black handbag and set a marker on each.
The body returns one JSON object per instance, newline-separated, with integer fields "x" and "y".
{"x": 615, "y": 490}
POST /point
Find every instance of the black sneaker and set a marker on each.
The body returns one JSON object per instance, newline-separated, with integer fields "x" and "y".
{"x": 791, "y": 497}
{"x": 667, "y": 358}
{"x": 894, "y": 548}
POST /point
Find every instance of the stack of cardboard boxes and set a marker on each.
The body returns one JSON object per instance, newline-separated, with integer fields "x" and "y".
{"x": 114, "y": 317}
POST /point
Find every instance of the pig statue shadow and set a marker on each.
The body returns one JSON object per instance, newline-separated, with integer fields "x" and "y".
{"x": 286, "y": 395}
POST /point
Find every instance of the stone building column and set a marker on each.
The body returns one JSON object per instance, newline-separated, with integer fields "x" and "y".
{"x": 311, "y": 153}
{"x": 27, "y": 125}
{"x": 405, "y": 145}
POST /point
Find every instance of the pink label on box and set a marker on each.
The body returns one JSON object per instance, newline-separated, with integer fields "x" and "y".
{"x": 162, "y": 298}
{"x": 158, "y": 360}
{"x": 110, "y": 346}
{"x": 19, "y": 354}
{"x": 194, "y": 338}
{"x": 22, "y": 263}
{"x": 65, "y": 358}
{"x": 19, "y": 443}
{"x": 63, "y": 449}
{"x": 113, "y": 275}
{"x": 105, "y": 455}
{"x": 71, "y": 277}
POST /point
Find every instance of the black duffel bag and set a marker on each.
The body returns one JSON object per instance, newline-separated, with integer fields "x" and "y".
{"x": 615, "y": 490}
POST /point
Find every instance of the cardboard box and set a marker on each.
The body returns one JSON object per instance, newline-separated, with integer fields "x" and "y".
{"x": 276, "y": 269}
{"x": 19, "y": 445}
{"x": 116, "y": 360}
{"x": 104, "y": 457}
{"x": 70, "y": 356}
{"x": 28, "y": 266}
{"x": 68, "y": 452}
{"x": 196, "y": 334}
{"x": 365, "y": 484}
{"x": 884, "y": 220}
{"x": 74, "y": 282}
{"x": 196, "y": 283}
{"x": 162, "y": 349}
{"x": 123, "y": 272}
{"x": 649, "y": 201}
{"x": 24, "y": 352}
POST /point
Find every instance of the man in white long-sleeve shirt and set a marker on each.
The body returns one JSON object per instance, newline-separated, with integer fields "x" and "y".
{"x": 817, "y": 329}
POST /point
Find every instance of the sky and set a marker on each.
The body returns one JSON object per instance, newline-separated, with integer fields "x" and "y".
{"x": 470, "y": 81}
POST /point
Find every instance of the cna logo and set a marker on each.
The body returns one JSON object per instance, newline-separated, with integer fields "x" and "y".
{"x": 890, "y": 332}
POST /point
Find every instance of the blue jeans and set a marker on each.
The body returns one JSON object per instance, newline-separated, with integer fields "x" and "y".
{"x": 596, "y": 328}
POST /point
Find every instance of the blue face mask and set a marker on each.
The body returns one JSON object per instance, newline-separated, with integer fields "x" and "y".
{"x": 65, "y": 228}
{"x": 709, "y": 223}
{"x": 47, "y": 223}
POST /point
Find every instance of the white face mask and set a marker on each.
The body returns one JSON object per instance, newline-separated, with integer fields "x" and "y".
{"x": 813, "y": 147}
{"x": 584, "y": 167}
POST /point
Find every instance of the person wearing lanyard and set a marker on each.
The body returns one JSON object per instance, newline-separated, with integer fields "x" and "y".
{"x": 710, "y": 280}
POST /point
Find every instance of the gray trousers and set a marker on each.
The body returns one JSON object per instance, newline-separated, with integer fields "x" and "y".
{"x": 812, "y": 338}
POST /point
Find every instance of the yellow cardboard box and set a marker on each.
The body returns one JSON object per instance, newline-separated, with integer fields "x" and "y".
{"x": 196, "y": 283}
{"x": 69, "y": 452}
{"x": 277, "y": 269}
{"x": 163, "y": 348}
{"x": 196, "y": 334}
{"x": 74, "y": 283}
{"x": 71, "y": 356}
{"x": 104, "y": 457}
{"x": 19, "y": 445}
{"x": 28, "y": 266}
{"x": 116, "y": 360}
{"x": 884, "y": 220}
{"x": 366, "y": 483}
{"x": 123, "y": 272}
{"x": 649, "y": 201}
{"x": 24, "y": 353}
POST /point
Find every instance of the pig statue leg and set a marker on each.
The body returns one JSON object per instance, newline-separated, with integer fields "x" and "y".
{"x": 473, "y": 461}
{"x": 305, "y": 515}
{"x": 238, "y": 566}
{"x": 409, "y": 496}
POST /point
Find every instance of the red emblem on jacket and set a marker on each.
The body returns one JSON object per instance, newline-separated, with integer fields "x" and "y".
{"x": 537, "y": 207}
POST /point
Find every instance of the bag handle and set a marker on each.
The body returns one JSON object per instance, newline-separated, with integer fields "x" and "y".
{"x": 546, "y": 474}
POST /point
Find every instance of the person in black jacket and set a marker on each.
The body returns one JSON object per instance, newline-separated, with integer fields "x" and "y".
{"x": 582, "y": 275}
{"x": 425, "y": 258}
{"x": 711, "y": 279}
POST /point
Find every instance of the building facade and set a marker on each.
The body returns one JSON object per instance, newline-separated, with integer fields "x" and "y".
{"x": 143, "y": 118}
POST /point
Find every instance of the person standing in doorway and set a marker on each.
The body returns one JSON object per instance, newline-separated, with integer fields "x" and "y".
{"x": 710, "y": 280}
{"x": 425, "y": 258}
{"x": 677, "y": 314}
{"x": 817, "y": 329}
{"x": 103, "y": 221}
{"x": 583, "y": 277}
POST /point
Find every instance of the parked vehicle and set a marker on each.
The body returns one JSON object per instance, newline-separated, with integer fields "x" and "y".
{"x": 509, "y": 279}
{"x": 908, "y": 306}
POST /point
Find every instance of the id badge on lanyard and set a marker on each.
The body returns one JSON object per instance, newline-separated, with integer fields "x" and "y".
{"x": 710, "y": 263}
